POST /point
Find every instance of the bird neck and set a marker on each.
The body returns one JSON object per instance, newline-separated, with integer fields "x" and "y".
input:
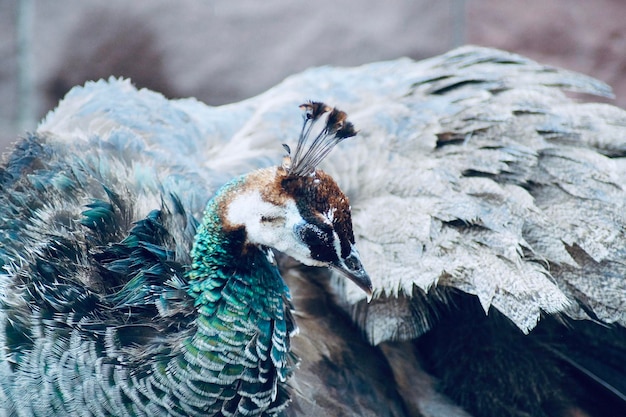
{"x": 243, "y": 322}
{"x": 226, "y": 270}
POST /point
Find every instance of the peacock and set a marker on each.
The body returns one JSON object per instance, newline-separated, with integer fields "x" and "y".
{"x": 486, "y": 202}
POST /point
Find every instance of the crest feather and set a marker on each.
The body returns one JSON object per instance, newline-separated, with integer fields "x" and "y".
{"x": 307, "y": 157}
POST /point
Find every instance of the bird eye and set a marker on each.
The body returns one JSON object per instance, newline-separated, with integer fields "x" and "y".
{"x": 271, "y": 219}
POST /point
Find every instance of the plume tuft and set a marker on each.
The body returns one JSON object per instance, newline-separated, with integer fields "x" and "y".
{"x": 307, "y": 157}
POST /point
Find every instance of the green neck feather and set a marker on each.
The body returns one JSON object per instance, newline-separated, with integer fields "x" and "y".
{"x": 240, "y": 350}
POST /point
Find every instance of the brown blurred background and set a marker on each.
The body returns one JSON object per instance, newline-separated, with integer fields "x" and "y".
{"x": 222, "y": 51}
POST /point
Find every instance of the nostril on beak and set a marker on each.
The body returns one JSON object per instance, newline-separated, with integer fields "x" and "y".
{"x": 353, "y": 263}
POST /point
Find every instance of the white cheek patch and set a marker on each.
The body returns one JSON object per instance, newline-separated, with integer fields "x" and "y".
{"x": 248, "y": 209}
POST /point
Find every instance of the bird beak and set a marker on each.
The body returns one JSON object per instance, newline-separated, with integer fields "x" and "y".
{"x": 352, "y": 268}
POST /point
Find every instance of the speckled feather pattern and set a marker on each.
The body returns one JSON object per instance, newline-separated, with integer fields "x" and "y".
{"x": 74, "y": 304}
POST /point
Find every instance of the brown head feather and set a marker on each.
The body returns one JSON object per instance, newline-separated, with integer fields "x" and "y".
{"x": 319, "y": 193}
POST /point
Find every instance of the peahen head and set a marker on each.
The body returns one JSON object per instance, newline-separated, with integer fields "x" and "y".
{"x": 296, "y": 208}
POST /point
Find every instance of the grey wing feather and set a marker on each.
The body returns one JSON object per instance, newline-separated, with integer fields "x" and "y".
{"x": 484, "y": 176}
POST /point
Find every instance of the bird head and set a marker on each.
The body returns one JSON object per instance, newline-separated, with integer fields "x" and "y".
{"x": 298, "y": 209}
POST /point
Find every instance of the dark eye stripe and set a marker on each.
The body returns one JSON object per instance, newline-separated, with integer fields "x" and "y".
{"x": 319, "y": 240}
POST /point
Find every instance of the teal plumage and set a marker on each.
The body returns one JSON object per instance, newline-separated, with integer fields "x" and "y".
{"x": 74, "y": 326}
{"x": 244, "y": 321}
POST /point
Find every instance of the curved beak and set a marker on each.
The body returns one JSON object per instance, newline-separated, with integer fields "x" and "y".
{"x": 352, "y": 268}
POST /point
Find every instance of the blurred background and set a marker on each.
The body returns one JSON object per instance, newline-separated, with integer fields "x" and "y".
{"x": 222, "y": 51}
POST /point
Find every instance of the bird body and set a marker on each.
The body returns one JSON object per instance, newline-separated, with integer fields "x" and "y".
{"x": 488, "y": 207}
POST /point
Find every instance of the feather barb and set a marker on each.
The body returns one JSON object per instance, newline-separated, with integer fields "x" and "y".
{"x": 308, "y": 156}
